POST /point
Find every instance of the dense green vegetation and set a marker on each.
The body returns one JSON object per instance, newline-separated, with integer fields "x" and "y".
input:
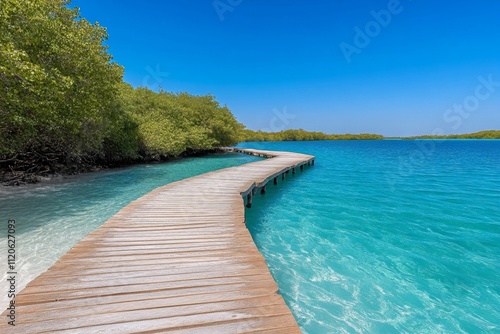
{"x": 489, "y": 134}
{"x": 165, "y": 124}
{"x": 58, "y": 84}
{"x": 300, "y": 134}
{"x": 64, "y": 106}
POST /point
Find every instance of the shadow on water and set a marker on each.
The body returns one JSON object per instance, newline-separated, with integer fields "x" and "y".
{"x": 255, "y": 216}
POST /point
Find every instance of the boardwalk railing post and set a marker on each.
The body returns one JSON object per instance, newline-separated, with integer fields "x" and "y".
{"x": 249, "y": 199}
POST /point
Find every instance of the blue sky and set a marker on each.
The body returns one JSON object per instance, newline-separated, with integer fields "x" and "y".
{"x": 341, "y": 66}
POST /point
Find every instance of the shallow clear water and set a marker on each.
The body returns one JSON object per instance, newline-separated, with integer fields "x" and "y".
{"x": 53, "y": 216}
{"x": 377, "y": 237}
{"x": 386, "y": 236}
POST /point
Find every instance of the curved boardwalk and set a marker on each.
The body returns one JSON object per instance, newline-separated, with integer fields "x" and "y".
{"x": 177, "y": 260}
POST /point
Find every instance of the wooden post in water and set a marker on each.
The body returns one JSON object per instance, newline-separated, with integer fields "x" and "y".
{"x": 249, "y": 199}
{"x": 283, "y": 176}
{"x": 293, "y": 170}
{"x": 312, "y": 162}
{"x": 263, "y": 190}
{"x": 301, "y": 167}
{"x": 275, "y": 180}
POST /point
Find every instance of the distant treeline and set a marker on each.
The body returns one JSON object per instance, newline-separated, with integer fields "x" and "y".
{"x": 64, "y": 106}
{"x": 489, "y": 134}
{"x": 247, "y": 135}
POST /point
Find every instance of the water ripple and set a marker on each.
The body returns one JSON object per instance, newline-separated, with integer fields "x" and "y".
{"x": 353, "y": 255}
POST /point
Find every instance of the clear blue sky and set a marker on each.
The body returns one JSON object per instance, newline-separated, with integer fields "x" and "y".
{"x": 288, "y": 57}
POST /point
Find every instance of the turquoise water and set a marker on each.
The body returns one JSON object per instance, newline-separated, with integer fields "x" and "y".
{"x": 377, "y": 237}
{"x": 386, "y": 236}
{"x": 53, "y": 216}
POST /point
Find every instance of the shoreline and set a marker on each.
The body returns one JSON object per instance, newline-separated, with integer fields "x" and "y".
{"x": 13, "y": 177}
{"x": 20, "y": 178}
{"x": 196, "y": 241}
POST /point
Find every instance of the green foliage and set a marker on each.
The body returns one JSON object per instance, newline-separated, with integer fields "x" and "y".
{"x": 63, "y": 100}
{"x": 58, "y": 83}
{"x": 171, "y": 124}
{"x": 488, "y": 134}
{"x": 61, "y": 94}
{"x": 300, "y": 135}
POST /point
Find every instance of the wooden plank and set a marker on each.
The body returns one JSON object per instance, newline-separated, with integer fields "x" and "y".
{"x": 234, "y": 289}
{"x": 178, "y": 259}
{"x": 168, "y": 313}
{"x": 135, "y": 304}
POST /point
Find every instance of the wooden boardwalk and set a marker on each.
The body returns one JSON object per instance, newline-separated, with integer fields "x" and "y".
{"x": 179, "y": 259}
